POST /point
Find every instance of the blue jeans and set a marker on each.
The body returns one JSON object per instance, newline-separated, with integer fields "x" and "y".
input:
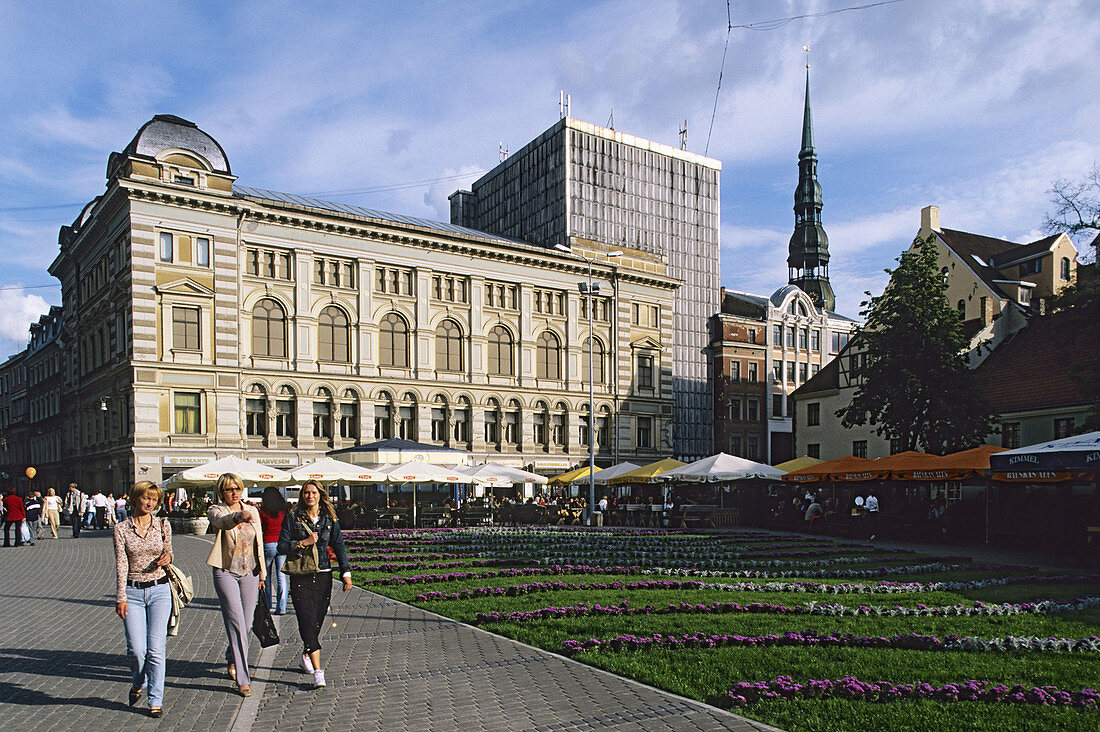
{"x": 276, "y": 596}
{"x": 146, "y": 622}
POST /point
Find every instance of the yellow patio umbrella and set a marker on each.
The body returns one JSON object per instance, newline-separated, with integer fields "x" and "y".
{"x": 797, "y": 464}
{"x": 646, "y": 473}
{"x": 570, "y": 476}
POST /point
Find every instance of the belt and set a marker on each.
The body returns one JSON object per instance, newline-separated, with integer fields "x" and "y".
{"x": 150, "y": 583}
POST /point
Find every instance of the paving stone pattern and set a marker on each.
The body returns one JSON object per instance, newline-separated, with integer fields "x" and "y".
{"x": 389, "y": 666}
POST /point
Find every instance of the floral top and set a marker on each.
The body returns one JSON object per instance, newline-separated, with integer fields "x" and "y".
{"x": 136, "y": 555}
{"x": 242, "y": 562}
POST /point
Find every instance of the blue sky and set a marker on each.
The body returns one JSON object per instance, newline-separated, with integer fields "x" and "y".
{"x": 975, "y": 106}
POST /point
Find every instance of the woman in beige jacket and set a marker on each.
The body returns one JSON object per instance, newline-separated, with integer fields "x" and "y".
{"x": 239, "y": 571}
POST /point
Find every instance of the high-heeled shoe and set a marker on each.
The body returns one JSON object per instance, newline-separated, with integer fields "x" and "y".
{"x": 232, "y": 671}
{"x": 135, "y": 694}
{"x": 156, "y": 712}
{"x": 245, "y": 691}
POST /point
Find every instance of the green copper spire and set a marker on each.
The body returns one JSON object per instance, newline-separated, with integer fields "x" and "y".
{"x": 808, "y": 251}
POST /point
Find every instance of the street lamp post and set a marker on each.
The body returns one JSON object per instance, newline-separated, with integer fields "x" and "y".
{"x": 589, "y": 290}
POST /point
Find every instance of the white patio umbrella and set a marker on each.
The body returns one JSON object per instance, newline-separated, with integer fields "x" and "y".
{"x": 207, "y": 475}
{"x": 720, "y": 468}
{"x": 606, "y": 474}
{"x": 417, "y": 472}
{"x": 496, "y": 474}
{"x": 328, "y": 470}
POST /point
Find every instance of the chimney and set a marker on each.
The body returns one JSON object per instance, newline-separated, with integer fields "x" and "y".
{"x": 929, "y": 220}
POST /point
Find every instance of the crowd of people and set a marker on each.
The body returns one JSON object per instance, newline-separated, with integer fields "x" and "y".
{"x": 36, "y": 516}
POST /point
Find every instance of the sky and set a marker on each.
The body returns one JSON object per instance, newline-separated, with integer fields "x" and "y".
{"x": 977, "y": 107}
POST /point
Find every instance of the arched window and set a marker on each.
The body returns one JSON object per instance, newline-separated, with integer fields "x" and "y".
{"x": 322, "y": 413}
{"x": 383, "y": 416}
{"x": 539, "y": 418}
{"x": 255, "y": 412}
{"x": 462, "y": 420}
{"x": 349, "y": 415}
{"x": 548, "y": 357}
{"x": 1065, "y": 269}
{"x": 448, "y": 346}
{"x": 286, "y": 424}
{"x": 439, "y": 419}
{"x": 268, "y": 329}
{"x": 961, "y": 307}
{"x": 393, "y": 336}
{"x": 333, "y": 335}
{"x": 501, "y": 362}
{"x": 492, "y": 422}
{"x": 597, "y": 375}
{"x": 511, "y": 423}
{"x": 557, "y": 424}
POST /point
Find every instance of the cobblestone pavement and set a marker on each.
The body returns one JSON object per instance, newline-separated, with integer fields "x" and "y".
{"x": 390, "y": 666}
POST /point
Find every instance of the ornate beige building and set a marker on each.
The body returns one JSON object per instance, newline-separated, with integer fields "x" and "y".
{"x": 203, "y": 319}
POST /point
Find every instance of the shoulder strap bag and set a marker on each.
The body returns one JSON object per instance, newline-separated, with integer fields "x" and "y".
{"x": 305, "y": 563}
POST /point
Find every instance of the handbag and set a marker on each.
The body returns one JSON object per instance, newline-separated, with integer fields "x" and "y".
{"x": 306, "y": 563}
{"x": 24, "y": 532}
{"x": 263, "y": 625}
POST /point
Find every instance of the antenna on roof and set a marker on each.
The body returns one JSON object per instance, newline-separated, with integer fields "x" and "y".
{"x": 503, "y": 151}
{"x": 684, "y": 136}
{"x": 611, "y": 120}
{"x": 563, "y": 104}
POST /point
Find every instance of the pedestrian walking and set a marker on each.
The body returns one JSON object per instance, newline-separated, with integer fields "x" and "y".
{"x": 14, "y": 516}
{"x": 312, "y": 528}
{"x": 89, "y": 510}
{"x": 871, "y": 506}
{"x": 53, "y": 511}
{"x": 120, "y": 509}
{"x": 74, "y": 504}
{"x": 143, "y": 548}
{"x": 239, "y": 571}
{"x": 272, "y": 511}
{"x": 99, "y": 507}
{"x": 32, "y": 508}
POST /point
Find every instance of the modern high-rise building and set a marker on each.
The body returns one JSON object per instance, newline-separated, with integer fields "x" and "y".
{"x": 593, "y": 190}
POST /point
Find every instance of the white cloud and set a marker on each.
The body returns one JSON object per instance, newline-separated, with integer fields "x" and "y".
{"x": 18, "y": 309}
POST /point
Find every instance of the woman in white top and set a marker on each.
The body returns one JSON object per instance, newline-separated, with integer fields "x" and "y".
{"x": 239, "y": 571}
{"x": 53, "y": 512}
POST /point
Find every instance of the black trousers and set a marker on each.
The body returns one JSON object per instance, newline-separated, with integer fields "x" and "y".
{"x": 311, "y": 594}
{"x": 17, "y": 525}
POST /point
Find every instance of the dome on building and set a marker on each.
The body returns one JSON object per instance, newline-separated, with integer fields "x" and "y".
{"x": 780, "y": 295}
{"x": 166, "y": 132}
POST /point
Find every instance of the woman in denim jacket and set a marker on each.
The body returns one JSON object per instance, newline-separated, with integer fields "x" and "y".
{"x": 313, "y": 522}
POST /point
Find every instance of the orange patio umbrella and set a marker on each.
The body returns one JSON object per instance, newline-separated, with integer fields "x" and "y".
{"x": 842, "y": 466}
{"x": 955, "y": 466}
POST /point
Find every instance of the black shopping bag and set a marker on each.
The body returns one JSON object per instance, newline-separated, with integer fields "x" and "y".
{"x": 262, "y": 624}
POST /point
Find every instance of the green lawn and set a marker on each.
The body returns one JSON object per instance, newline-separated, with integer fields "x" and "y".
{"x": 707, "y": 674}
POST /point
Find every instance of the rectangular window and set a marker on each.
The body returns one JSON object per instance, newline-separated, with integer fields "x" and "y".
{"x": 645, "y": 372}
{"x": 165, "y": 246}
{"x": 790, "y": 372}
{"x": 284, "y": 418}
{"x": 202, "y": 251}
{"x": 895, "y": 445}
{"x": 557, "y": 429}
{"x": 803, "y": 338}
{"x": 1063, "y": 427}
{"x": 753, "y": 410}
{"x": 255, "y": 417}
{"x": 511, "y": 428}
{"x": 859, "y": 448}
{"x": 735, "y": 446}
{"x": 777, "y": 335}
{"x": 813, "y": 414}
{"x": 318, "y": 271}
{"x": 645, "y": 432}
{"x": 753, "y": 375}
{"x": 735, "y": 370}
{"x": 777, "y": 371}
{"x": 735, "y": 409}
{"x": 185, "y": 328}
{"x": 406, "y": 423}
{"x": 252, "y": 262}
{"x": 461, "y": 429}
{"x": 813, "y": 450}
{"x": 790, "y": 336}
{"x": 382, "y": 423}
{"x": 538, "y": 424}
{"x": 492, "y": 428}
{"x": 349, "y": 421}
{"x": 815, "y": 340}
{"x": 322, "y": 419}
{"x": 777, "y": 405}
{"x": 439, "y": 425}
{"x": 803, "y": 373}
{"x": 752, "y": 447}
{"x": 187, "y": 412}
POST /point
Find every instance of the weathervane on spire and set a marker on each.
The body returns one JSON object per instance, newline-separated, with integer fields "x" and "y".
{"x": 807, "y": 50}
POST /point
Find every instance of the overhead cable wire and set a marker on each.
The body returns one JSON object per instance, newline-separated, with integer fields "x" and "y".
{"x": 721, "y": 70}
{"x": 767, "y": 25}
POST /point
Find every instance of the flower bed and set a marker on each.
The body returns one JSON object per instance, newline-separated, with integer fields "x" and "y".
{"x": 745, "y": 693}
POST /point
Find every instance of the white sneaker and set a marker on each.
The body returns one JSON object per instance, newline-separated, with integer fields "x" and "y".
{"x": 306, "y": 664}
{"x": 318, "y": 678}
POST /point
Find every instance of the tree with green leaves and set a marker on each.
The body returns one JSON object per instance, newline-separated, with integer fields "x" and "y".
{"x": 914, "y": 385}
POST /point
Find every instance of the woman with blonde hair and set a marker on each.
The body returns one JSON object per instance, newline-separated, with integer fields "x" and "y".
{"x": 143, "y": 548}
{"x": 239, "y": 571}
{"x": 53, "y": 511}
{"x": 313, "y": 523}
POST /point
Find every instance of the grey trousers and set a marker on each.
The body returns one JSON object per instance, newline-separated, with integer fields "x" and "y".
{"x": 238, "y": 597}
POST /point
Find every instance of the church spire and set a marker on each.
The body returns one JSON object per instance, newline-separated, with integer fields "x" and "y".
{"x": 808, "y": 251}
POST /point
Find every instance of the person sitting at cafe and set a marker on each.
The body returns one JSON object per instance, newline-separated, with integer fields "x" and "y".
{"x": 815, "y": 512}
